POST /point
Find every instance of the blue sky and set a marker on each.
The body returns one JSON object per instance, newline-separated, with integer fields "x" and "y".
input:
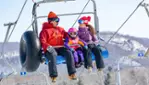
{"x": 111, "y": 13}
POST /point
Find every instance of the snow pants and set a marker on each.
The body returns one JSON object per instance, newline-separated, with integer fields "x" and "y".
{"x": 69, "y": 61}
{"x": 98, "y": 56}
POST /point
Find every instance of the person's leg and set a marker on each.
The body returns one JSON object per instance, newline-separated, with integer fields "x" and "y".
{"x": 98, "y": 57}
{"x": 75, "y": 55}
{"x": 76, "y": 59}
{"x": 81, "y": 57}
{"x": 80, "y": 53}
{"x": 87, "y": 57}
{"x": 69, "y": 61}
{"x": 52, "y": 64}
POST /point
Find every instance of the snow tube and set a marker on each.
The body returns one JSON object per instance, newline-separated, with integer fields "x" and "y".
{"x": 29, "y": 51}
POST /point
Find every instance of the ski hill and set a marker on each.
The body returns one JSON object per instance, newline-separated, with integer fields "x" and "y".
{"x": 122, "y": 48}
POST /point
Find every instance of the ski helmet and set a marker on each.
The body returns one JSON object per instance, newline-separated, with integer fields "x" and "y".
{"x": 72, "y": 30}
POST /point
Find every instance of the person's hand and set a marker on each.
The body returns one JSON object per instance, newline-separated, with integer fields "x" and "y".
{"x": 98, "y": 45}
{"x": 86, "y": 47}
{"x": 90, "y": 42}
{"x": 72, "y": 50}
{"x": 97, "y": 41}
{"x": 51, "y": 50}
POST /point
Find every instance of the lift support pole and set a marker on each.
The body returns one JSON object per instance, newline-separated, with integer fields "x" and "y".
{"x": 8, "y": 29}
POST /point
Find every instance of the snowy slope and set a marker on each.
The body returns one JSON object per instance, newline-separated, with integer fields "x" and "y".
{"x": 121, "y": 47}
{"x": 127, "y": 43}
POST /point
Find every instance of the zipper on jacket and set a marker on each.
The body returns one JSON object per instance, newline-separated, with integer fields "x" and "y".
{"x": 56, "y": 36}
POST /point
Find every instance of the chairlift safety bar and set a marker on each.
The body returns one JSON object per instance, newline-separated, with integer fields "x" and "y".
{"x": 69, "y": 14}
{"x": 50, "y": 1}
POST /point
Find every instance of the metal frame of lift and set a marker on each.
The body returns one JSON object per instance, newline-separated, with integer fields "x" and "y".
{"x": 34, "y": 13}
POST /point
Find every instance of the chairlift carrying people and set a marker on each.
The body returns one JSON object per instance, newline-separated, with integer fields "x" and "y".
{"x": 30, "y": 45}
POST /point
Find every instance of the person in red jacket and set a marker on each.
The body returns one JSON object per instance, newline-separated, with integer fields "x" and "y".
{"x": 51, "y": 36}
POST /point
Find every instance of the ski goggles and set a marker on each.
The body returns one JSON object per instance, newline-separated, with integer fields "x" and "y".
{"x": 83, "y": 21}
{"x": 54, "y": 19}
{"x": 73, "y": 33}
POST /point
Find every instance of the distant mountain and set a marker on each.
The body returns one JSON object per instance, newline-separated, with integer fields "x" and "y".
{"x": 143, "y": 41}
{"x": 10, "y": 46}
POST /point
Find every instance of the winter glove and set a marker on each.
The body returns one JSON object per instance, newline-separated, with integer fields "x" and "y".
{"x": 98, "y": 45}
{"x": 86, "y": 47}
{"x": 44, "y": 59}
{"x": 72, "y": 50}
{"x": 51, "y": 50}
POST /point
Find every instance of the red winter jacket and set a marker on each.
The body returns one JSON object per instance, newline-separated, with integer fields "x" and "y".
{"x": 50, "y": 36}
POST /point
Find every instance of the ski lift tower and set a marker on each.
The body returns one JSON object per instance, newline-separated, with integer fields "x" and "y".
{"x": 35, "y": 25}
